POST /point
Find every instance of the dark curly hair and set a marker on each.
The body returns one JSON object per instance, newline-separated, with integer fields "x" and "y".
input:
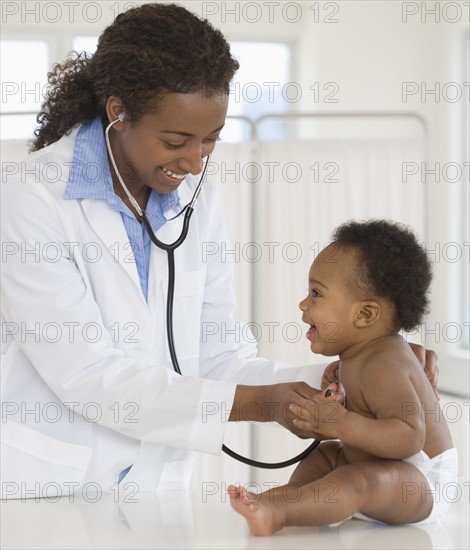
{"x": 391, "y": 264}
{"x": 147, "y": 52}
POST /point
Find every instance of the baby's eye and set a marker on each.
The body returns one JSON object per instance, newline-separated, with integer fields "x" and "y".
{"x": 314, "y": 293}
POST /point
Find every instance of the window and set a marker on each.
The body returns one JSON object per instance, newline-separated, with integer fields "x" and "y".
{"x": 464, "y": 283}
{"x": 450, "y": 313}
{"x": 259, "y": 86}
{"x": 85, "y": 43}
{"x": 24, "y": 67}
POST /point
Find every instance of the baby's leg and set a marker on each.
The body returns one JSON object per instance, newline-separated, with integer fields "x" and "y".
{"x": 324, "y": 459}
{"x": 316, "y": 465}
{"x": 380, "y": 490}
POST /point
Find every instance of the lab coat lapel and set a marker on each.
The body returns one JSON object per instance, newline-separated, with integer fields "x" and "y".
{"x": 107, "y": 223}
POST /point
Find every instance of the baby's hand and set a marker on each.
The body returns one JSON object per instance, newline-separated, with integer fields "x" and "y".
{"x": 322, "y": 413}
{"x": 331, "y": 375}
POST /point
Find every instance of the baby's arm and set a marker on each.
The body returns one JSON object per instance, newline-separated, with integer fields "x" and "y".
{"x": 398, "y": 429}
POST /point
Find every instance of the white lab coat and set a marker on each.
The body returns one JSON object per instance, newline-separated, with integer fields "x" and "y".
{"x": 87, "y": 383}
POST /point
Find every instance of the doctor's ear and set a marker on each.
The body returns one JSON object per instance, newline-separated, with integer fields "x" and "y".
{"x": 367, "y": 314}
{"x": 115, "y": 110}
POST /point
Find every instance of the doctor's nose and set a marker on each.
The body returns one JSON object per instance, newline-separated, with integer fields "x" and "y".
{"x": 192, "y": 161}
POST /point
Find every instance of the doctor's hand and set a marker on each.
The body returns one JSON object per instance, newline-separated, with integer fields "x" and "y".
{"x": 428, "y": 360}
{"x": 274, "y": 402}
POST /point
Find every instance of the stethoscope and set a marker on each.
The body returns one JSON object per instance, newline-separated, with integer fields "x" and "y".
{"x": 170, "y": 250}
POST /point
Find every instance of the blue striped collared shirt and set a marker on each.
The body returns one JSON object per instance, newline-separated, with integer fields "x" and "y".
{"x": 90, "y": 178}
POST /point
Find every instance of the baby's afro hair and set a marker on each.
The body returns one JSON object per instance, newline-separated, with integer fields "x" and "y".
{"x": 390, "y": 264}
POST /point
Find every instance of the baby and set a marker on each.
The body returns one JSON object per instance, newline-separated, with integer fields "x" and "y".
{"x": 389, "y": 457}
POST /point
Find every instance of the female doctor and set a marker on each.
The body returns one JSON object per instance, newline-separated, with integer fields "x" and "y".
{"x": 89, "y": 392}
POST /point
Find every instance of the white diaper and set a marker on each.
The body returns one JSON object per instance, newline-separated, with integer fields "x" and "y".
{"x": 441, "y": 474}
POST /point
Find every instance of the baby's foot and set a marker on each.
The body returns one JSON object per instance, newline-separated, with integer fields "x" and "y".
{"x": 262, "y": 514}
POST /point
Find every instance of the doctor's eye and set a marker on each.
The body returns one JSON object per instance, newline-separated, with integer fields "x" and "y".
{"x": 169, "y": 145}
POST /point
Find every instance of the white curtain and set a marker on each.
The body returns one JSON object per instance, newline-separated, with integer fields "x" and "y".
{"x": 308, "y": 188}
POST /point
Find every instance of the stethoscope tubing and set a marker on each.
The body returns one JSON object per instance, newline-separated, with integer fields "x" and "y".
{"x": 170, "y": 248}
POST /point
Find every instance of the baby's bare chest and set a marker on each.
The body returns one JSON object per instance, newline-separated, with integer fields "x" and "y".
{"x": 355, "y": 390}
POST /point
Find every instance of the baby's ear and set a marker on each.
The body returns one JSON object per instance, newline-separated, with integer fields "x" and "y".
{"x": 368, "y": 313}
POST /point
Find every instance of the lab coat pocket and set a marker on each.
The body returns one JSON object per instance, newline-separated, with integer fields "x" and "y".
{"x": 35, "y": 465}
{"x": 187, "y": 308}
